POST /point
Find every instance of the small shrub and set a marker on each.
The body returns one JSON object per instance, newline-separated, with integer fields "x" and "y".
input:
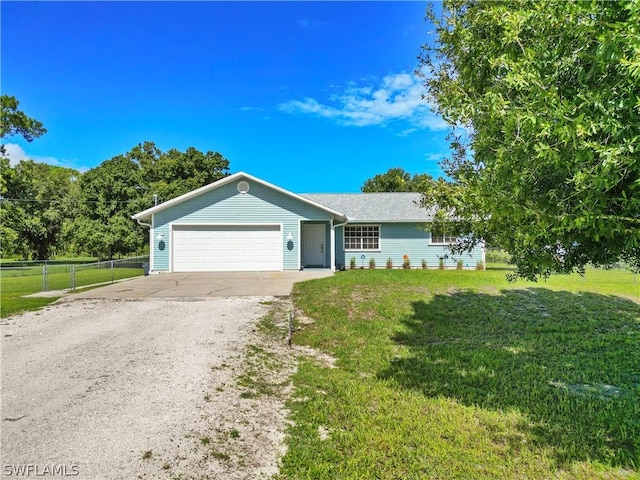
{"x": 406, "y": 263}
{"x": 441, "y": 264}
{"x": 480, "y": 265}
{"x": 460, "y": 264}
{"x": 352, "y": 263}
{"x": 372, "y": 263}
{"x": 496, "y": 255}
{"x": 389, "y": 263}
{"x": 424, "y": 264}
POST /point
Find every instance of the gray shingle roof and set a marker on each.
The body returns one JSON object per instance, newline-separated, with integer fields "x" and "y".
{"x": 374, "y": 207}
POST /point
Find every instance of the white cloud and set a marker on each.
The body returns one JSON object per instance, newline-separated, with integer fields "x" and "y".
{"x": 15, "y": 154}
{"x": 397, "y": 97}
{"x": 435, "y": 157}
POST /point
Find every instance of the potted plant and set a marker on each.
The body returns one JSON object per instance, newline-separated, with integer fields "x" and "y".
{"x": 424, "y": 264}
{"x": 389, "y": 263}
{"x": 460, "y": 264}
{"x": 352, "y": 263}
{"x": 372, "y": 263}
{"x": 441, "y": 264}
{"x": 406, "y": 263}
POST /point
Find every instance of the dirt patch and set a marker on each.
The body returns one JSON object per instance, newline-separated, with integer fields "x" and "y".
{"x": 145, "y": 389}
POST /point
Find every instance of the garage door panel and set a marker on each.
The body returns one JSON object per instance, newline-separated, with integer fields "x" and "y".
{"x": 198, "y": 248}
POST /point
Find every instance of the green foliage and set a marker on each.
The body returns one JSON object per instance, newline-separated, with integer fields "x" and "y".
{"x": 48, "y": 209}
{"x": 397, "y": 180}
{"x": 464, "y": 375}
{"x": 40, "y": 198}
{"x": 16, "y": 122}
{"x": 126, "y": 184}
{"x": 497, "y": 255}
{"x": 543, "y": 98}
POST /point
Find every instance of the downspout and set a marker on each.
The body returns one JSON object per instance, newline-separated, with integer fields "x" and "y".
{"x": 333, "y": 240}
{"x": 142, "y": 224}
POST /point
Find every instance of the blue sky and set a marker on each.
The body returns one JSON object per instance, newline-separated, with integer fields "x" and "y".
{"x": 310, "y": 96}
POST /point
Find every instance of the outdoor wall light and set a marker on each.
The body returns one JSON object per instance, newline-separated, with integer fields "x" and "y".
{"x": 290, "y": 237}
{"x": 160, "y": 237}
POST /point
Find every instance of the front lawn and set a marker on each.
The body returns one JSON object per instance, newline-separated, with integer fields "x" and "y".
{"x": 456, "y": 374}
{"x": 16, "y": 283}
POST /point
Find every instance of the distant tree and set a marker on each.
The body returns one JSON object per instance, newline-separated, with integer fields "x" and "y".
{"x": 174, "y": 173}
{"x": 397, "y": 180}
{"x": 125, "y": 184}
{"x": 15, "y": 122}
{"x": 543, "y": 98}
{"x": 36, "y": 205}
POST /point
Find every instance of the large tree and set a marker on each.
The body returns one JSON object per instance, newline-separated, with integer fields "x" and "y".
{"x": 27, "y": 225}
{"x": 397, "y": 180}
{"x": 126, "y": 184}
{"x": 39, "y": 200}
{"x": 544, "y": 102}
{"x": 16, "y": 122}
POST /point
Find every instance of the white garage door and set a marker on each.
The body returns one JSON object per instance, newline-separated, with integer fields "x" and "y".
{"x": 226, "y": 248}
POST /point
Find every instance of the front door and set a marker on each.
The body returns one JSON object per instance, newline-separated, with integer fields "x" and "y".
{"x": 314, "y": 244}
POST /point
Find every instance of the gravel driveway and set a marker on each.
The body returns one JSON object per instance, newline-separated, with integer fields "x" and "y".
{"x": 135, "y": 389}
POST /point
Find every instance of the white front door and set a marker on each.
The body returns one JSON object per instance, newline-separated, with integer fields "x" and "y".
{"x": 314, "y": 240}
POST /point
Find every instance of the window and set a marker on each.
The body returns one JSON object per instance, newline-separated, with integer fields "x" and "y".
{"x": 440, "y": 237}
{"x": 362, "y": 237}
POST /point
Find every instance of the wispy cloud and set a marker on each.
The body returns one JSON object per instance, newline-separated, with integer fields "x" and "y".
{"x": 16, "y": 154}
{"x": 435, "y": 157}
{"x": 396, "y": 97}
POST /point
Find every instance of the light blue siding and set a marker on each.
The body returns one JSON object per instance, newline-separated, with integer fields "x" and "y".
{"x": 225, "y": 205}
{"x": 399, "y": 239}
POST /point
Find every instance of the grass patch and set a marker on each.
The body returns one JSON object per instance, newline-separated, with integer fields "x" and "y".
{"x": 460, "y": 374}
{"x": 13, "y": 287}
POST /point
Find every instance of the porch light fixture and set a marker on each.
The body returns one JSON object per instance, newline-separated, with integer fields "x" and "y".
{"x": 290, "y": 237}
{"x": 160, "y": 237}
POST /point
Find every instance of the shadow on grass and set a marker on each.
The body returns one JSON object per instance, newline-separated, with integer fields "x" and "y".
{"x": 569, "y": 362}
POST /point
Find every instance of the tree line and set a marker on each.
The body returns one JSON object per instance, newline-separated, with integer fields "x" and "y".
{"x": 48, "y": 210}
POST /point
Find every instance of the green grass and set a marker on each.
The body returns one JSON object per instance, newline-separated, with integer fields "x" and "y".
{"x": 456, "y": 374}
{"x": 13, "y": 287}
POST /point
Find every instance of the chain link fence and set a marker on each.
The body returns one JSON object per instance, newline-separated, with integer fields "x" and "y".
{"x": 56, "y": 275}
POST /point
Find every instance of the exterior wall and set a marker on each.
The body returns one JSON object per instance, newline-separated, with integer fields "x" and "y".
{"x": 399, "y": 239}
{"x": 225, "y": 205}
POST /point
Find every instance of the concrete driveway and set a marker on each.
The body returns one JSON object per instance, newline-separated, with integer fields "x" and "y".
{"x": 203, "y": 285}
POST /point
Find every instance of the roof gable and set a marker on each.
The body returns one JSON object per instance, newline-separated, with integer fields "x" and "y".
{"x": 148, "y": 213}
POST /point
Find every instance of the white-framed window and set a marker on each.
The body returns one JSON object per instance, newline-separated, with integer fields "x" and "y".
{"x": 362, "y": 237}
{"x": 439, "y": 237}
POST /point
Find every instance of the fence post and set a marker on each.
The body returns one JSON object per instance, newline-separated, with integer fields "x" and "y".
{"x": 73, "y": 277}
{"x": 44, "y": 277}
{"x": 111, "y": 271}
